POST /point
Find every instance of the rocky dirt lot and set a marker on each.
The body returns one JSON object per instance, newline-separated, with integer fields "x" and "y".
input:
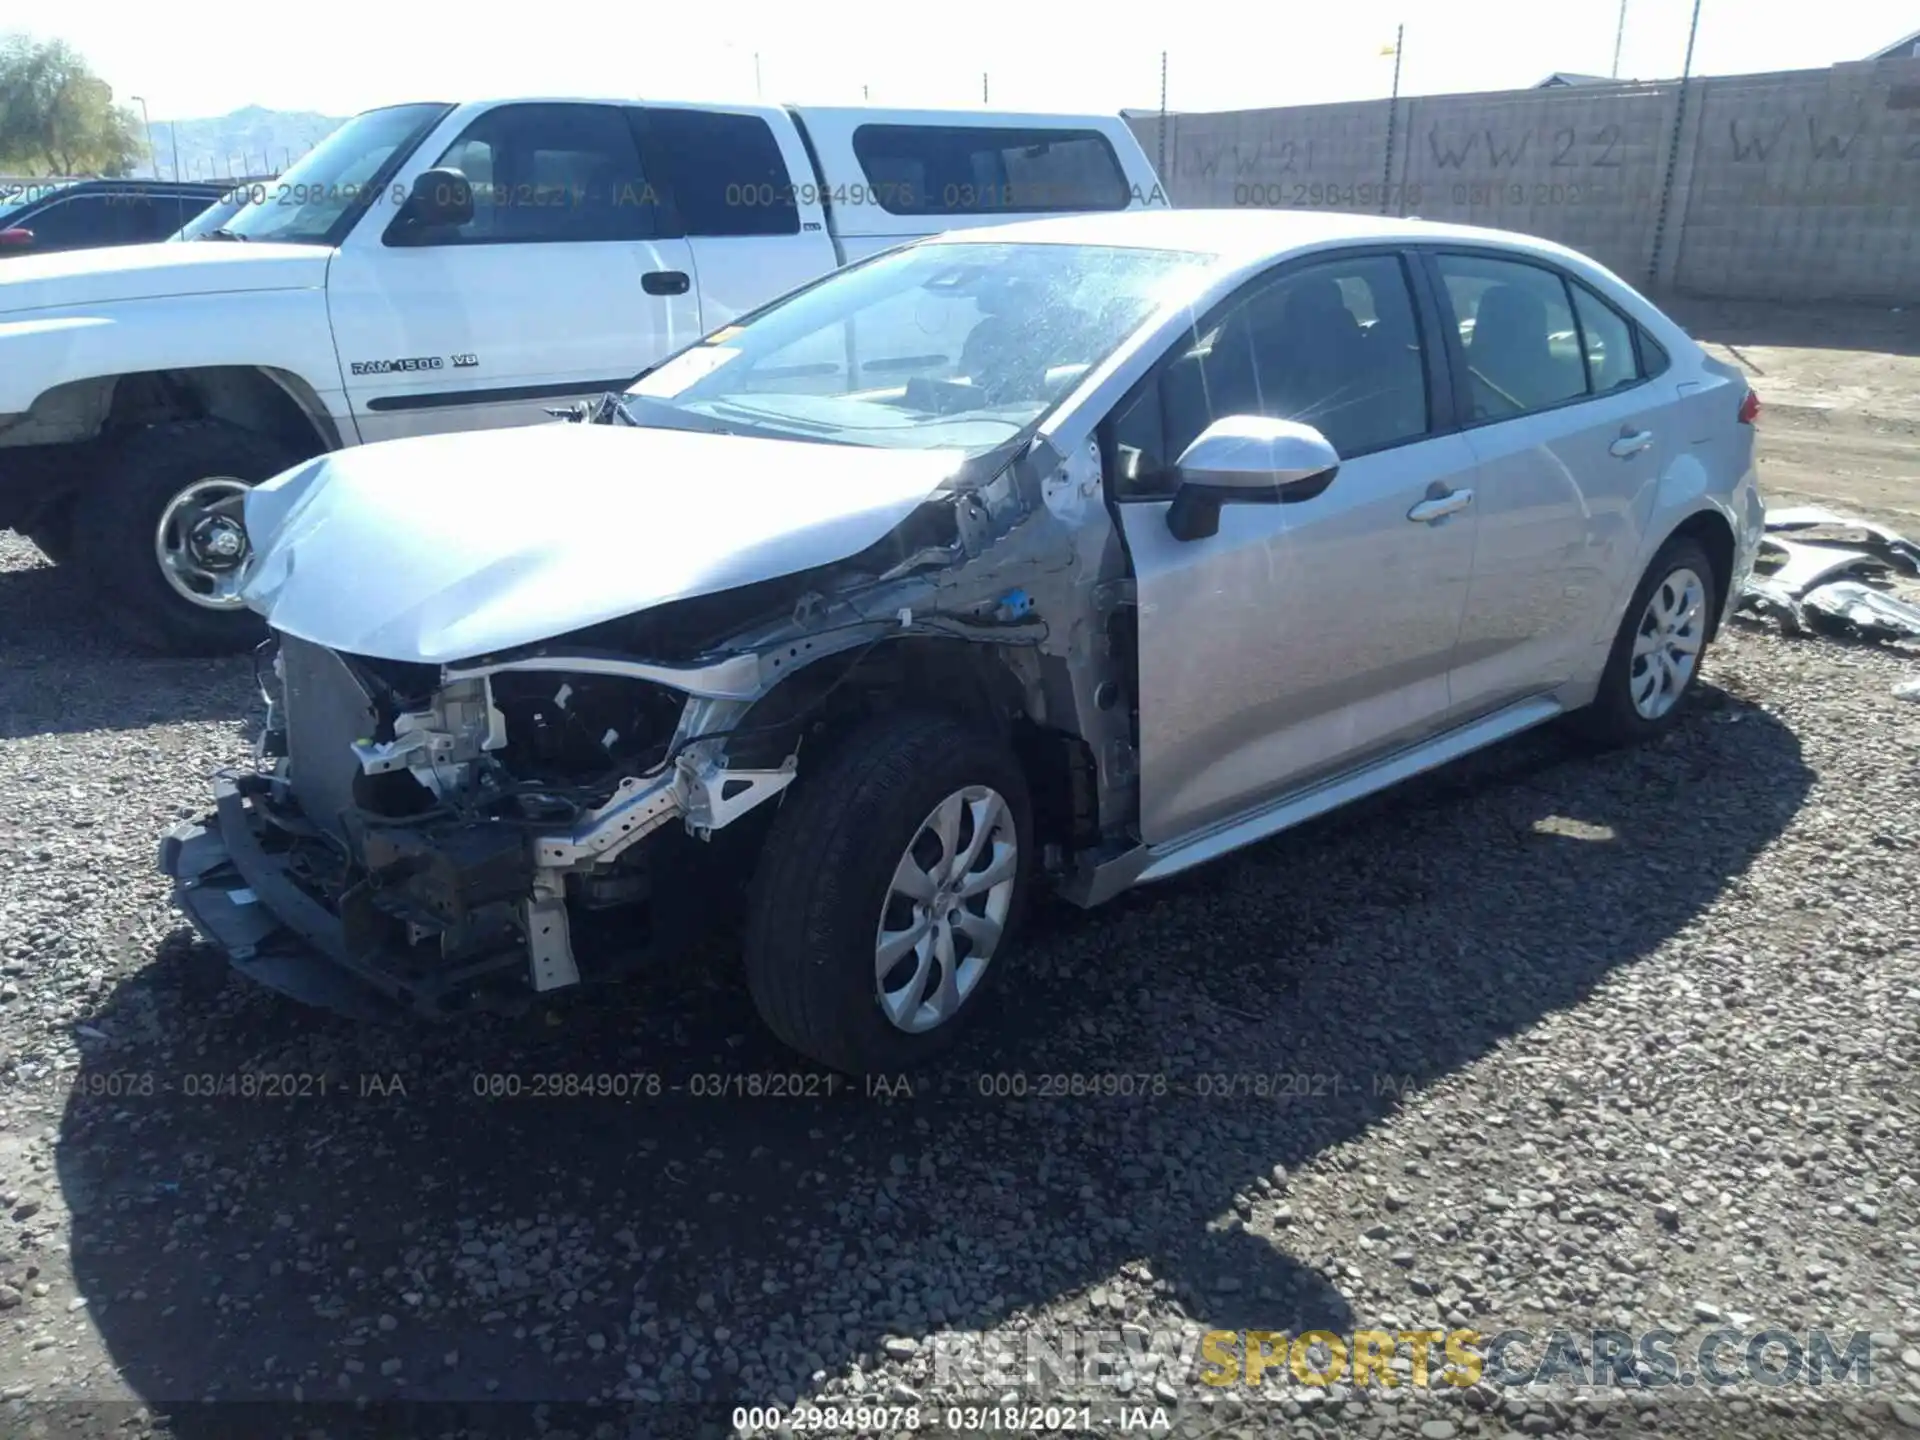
{"x": 1547, "y": 1042}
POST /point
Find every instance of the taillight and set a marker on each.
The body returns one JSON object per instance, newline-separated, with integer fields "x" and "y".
{"x": 1749, "y": 408}
{"x": 16, "y": 236}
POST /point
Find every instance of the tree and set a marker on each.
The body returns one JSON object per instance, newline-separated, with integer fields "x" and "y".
{"x": 57, "y": 116}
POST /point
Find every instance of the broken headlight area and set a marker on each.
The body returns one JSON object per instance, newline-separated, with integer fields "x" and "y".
{"x": 463, "y": 842}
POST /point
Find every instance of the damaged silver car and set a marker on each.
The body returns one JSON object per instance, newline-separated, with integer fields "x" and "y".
{"x": 1071, "y": 553}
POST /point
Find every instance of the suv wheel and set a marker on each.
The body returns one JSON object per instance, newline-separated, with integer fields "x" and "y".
{"x": 888, "y": 892}
{"x": 1658, "y": 651}
{"x": 160, "y": 533}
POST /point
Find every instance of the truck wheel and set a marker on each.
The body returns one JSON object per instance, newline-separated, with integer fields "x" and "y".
{"x": 161, "y": 536}
{"x": 888, "y": 892}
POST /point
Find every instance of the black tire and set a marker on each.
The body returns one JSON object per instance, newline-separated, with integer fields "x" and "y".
{"x": 825, "y": 872}
{"x": 116, "y": 516}
{"x": 1611, "y": 719}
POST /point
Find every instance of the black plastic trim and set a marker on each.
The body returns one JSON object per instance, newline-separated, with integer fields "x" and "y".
{"x": 438, "y": 399}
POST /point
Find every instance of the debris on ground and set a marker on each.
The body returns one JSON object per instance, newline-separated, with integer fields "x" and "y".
{"x": 1834, "y": 577}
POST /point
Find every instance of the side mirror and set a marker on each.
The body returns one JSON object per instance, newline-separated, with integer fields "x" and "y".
{"x": 439, "y": 198}
{"x": 1247, "y": 460}
{"x": 16, "y": 239}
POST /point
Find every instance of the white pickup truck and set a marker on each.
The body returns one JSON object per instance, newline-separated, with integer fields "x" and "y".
{"x": 435, "y": 267}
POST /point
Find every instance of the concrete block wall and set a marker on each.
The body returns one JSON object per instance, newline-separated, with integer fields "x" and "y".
{"x": 1797, "y": 186}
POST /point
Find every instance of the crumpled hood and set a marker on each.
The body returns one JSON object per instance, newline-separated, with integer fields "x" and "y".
{"x": 154, "y": 272}
{"x": 446, "y": 547}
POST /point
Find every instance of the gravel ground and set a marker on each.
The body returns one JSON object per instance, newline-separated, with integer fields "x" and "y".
{"x": 1577, "y": 1042}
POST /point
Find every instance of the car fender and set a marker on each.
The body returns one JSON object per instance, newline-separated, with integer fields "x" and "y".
{"x": 274, "y": 330}
{"x": 1684, "y": 490}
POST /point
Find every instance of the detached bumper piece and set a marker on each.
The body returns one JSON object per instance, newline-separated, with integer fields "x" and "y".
{"x": 379, "y": 946}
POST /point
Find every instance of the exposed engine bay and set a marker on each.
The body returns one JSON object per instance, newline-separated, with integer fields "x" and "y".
{"x": 456, "y": 835}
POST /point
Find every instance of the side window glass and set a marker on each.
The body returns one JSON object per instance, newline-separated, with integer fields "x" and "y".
{"x": 1139, "y": 457}
{"x": 1517, "y": 329}
{"x": 1653, "y": 356}
{"x": 146, "y": 217}
{"x": 551, "y": 173}
{"x": 1334, "y": 345}
{"x": 1609, "y": 343}
{"x": 75, "y": 224}
{"x": 726, "y": 172}
{"x": 988, "y": 169}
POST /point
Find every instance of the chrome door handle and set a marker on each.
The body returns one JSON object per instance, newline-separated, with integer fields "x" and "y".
{"x": 1628, "y": 445}
{"x": 1441, "y": 506}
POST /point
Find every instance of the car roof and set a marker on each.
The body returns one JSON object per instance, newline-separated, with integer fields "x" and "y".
{"x": 64, "y": 189}
{"x": 897, "y": 114}
{"x": 1245, "y": 235}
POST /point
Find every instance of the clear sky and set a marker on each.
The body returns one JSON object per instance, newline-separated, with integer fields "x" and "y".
{"x": 207, "y": 57}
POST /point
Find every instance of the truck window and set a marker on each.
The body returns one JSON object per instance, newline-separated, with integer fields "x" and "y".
{"x": 725, "y": 172}
{"x": 330, "y": 187}
{"x": 548, "y": 173}
{"x": 988, "y": 169}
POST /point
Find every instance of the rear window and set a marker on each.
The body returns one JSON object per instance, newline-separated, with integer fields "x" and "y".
{"x": 1653, "y": 358}
{"x": 989, "y": 170}
{"x": 726, "y": 172}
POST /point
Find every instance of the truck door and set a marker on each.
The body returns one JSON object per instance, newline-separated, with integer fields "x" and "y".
{"x": 745, "y": 195}
{"x": 569, "y": 280}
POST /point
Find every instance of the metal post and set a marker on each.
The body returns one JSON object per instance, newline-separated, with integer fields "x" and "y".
{"x": 756, "y": 75}
{"x": 173, "y": 132}
{"x": 983, "y": 87}
{"x": 1673, "y": 154}
{"x": 1619, "y": 34}
{"x": 1161, "y": 171}
{"x": 1393, "y": 108}
{"x": 147, "y": 121}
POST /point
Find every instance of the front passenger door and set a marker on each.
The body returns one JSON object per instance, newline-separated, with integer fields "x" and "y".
{"x": 569, "y": 280}
{"x": 1305, "y": 638}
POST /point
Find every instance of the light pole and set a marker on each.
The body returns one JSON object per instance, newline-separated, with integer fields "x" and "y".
{"x": 147, "y": 121}
{"x": 756, "y": 75}
{"x": 1619, "y": 34}
{"x": 1393, "y": 111}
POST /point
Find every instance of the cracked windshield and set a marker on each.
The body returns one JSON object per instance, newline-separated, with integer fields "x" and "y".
{"x": 952, "y": 346}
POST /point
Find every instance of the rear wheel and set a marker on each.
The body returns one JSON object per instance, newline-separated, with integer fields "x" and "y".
{"x": 1657, "y": 654}
{"x": 888, "y": 892}
{"x": 160, "y": 532}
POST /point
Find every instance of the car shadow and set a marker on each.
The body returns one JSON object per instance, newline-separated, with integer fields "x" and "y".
{"x": 268, "y": 1198}
{"x": 1741, "y": 325}
{"x": 54, "y": 644}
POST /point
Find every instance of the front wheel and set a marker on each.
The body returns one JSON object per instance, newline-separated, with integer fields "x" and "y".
{"x": 1658, "y": 651}
{"x": 888, "y": 892}
{"x": 161, "y": 536}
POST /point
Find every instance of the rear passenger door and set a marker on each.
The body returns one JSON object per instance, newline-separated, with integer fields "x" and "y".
{"x": 743, "y": 195}
{"x": 1570, "y": 441}
{"x": 569, "y": 280}
{"x": 1303, "y": 638}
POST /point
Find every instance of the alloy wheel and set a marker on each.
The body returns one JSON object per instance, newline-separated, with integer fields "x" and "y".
{"x": 945, "y": 909}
